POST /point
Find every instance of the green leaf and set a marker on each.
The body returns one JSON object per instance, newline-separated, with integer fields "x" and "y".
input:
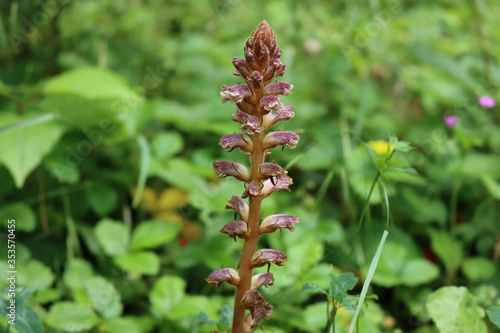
{"x": 492, "y": 186}
{"x": 102, "y": 198}
{"x": 104, "y": 297}
{"x": 418, "y": 271}
{"x": 393, "y": 139}
{"x": 27, "y": 320}
{"x": 121, "y": 324}
{"x": 313, "y": 287}
{"x": 113, "y": 236}
{"x": 91, "y": 83}
{"x": 448, "y": 249}
{"x": 369, "y": 277}
{"x": 167, "y": 292}
{"x": 406, "y": 170}
{"x": 337, "y": 289}
{"x": 348, "y": 280}
{"x": 77, "y": 273}
{"x": 403, "y": 146}
{"x": 167, "y": 144}
{"x": 202, "y": 318}
{"x": 478, "y": 269}
{"x": 143, "y": 170}
{"x": 24, "y": 148}
{"x": 22, "y": 213}
{"x": 35, "y": 274}
{"x": 71, "y": 317}
{"x": 494, "y": 315}
{"x": 150, "y": 234}
{"x": 454, "y": 309}
{"x": 226, "y": 315}
{"x": 146, "y": 263}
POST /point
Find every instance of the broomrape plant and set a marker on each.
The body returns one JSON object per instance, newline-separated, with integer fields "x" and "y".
{"x": 259, "y": 109}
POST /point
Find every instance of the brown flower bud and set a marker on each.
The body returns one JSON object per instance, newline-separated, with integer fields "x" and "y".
{"x": 240, "y": 206}
{"x": 262, "y": 279}
{"x": 261, "y": 47}
{"x": 268, "y": 256}
{"x": 236, "y": 228}
{"x": 229, "y": 275}
{"x": 278, "y": 221}
{"x": 236, "y": 170}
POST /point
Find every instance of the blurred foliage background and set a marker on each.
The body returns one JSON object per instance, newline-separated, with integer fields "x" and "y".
{"x": 110, "y": 116}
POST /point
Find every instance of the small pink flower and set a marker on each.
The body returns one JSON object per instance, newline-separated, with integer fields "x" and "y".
{"x": 486, "y": 102}
{"x": 451, "y": 121}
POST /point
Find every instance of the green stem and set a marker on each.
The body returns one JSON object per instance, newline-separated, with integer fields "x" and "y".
{"x": 365, "y": 207}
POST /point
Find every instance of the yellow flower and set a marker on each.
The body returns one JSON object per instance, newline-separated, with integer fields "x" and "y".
{"x": 380, "y": 146}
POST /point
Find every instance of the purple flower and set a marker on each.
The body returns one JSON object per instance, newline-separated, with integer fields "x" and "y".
{"x": 451, "y": 121}
{"x": 277, "y": 221}
{"x": 236, "y": 228}
{"x": 268, "y": 256}
{"x": 250, "y": 123}
{"x": 262, "y": 279}
{"x": 239, "y": 206}
{"x": 268, "y": 170}
{"x": 486, "y": 102}
{"x": 275, "y": 139}
{"x": 235, "y": 94}
{"x": 240, "y": 141}
{"x": 271, "y": 118}
{"x": 238, "y": 171}
{"x": 229, "y": 275}
{"x": 278, "y": 88}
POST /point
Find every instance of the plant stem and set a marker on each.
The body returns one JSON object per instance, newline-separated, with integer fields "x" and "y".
{"x": 245, "y": 270}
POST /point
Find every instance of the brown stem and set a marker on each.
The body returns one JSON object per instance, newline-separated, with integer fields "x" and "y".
{"x": 245, "y": 270}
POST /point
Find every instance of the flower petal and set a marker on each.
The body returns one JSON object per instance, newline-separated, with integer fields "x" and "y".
{"x": 271, "y": 118}
{"x": 236, "y": 228}
{"x": 280, "y": 138}
{"x": 274, "y": 185}
{"x": 229, "y": 275}
{"x": 278, "y": 88}
{"x": 268, "y": 256}
{"x": 241, "y": 141}
{"x": 241, "y": 67}
{"x": 236, "y": 170}
{"x": 239, "y": 206}
{"x": 268, "y": 170}
{"x": 250, "y": 123}
{"x": 262, "y": 279}
{"x": 253, "y": 189}
{"x": 278, "y": 221}
{"x": 235, "y": 94}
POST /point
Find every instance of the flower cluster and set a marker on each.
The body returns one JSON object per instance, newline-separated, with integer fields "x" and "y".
{"x": 258, "y": 109}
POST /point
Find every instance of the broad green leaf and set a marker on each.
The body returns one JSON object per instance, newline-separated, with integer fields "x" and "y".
{"x": 35, "y": 274}
{"x": 477, "y": 269}
{"x": 494, "y": 315}
{"x": 22, "y": 214}
{"x": 91, "y": 83}
{"x": 337, "y": 289}
{"x": 102, "y": 198}
{"x": 492, "y": 186}
{"x": 146, "y": 263}
{"x": 167, "y": 293}
{"x": 313, "y": 287}
{"x": 77, "y": 273}
{"x": 167, "y": 144}
{"x": 113, "y": 236}
{"x": 24, "y": 148}
{"x": 348, "y": 280}
{"x": 448, "y": 249}
{"x": 121, "y": 324}
{"x": 418, "y": 271}
{"x": 226, "y": 315}
{"x": 104, "y": 297}
{"x": 202, "y": 318}
{"x": 454, "y": 309}
{"x": 27, "y": 320}
{"x": 190, "y": 305}
{"x": 71, "y": 317}
{"x": 393, "y": 138}
{"x": 150, "y": 234}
